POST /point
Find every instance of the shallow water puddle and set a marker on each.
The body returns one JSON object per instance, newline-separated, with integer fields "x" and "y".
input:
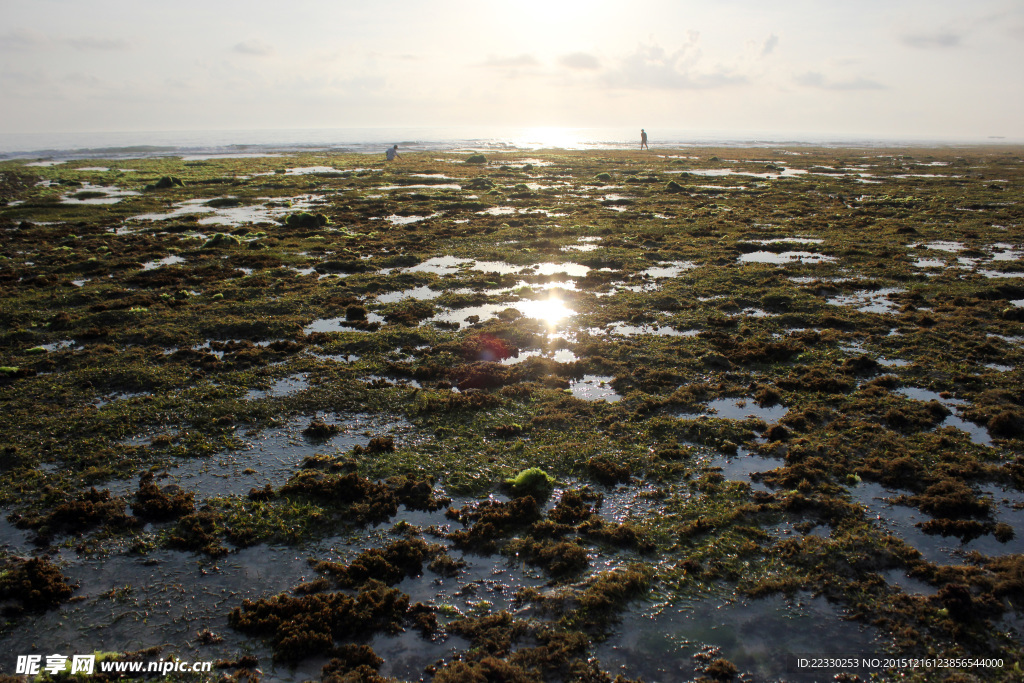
{"x": 628, "y": 503}
{"x": 569, "y": 268}
{"x": 624, "y": 329}
{"x": 558, "y": 355}
{"x": 438, "y": 186}
{"x": 740, "y": 466}
{"x": 110, "y": 194}
{"x": 758, "y": 636}
{"x": 998, "y": 273}
{"x": 339, "y": 324}
{"x": 1008, "y": 508}
{"x": 509, "y": 210}
{"x": 785, "y": 257}
{"x": 740, "y": 409}
{"x": 669, "y": 269}
{"x": 945, "y": 245}
{"x": 421, "y": 293}
{"x": 594, "y": 388}
{"x": 395, "y": 219}
{"x": 166, "y": 261}
{"x": 305, "y": 170}
{"x": 585, "y": 244}
{"x": 120, "y": 396}
{"x": 979, "y": 435}
{"x": 379, "y": 380}
{"x": 788, "y": 240}
{"x": 551, "y": 311}
{"x": 166, "y": 597}
{"x": 408, "y": 654}
{"x": 869, "y": 301}
{"x": 282, "y": 387}
{"x": 63, "y": 345}
{"x": 1006, "y": 252}
{"x": 13, "y": 539}
{"x": 270, "y": 456}
{"x": 337, "y": 357}
{"x": 753, "y": 313}
{"x": 722, "y": 172}
{"x": 908, "y": 584}
{"x": 468, "y": 315}
{"x": 901, "y": 521}
{"x": 270, "y": 212}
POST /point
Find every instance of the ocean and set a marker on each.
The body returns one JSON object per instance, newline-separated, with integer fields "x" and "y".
{"x": 206, "y": 143}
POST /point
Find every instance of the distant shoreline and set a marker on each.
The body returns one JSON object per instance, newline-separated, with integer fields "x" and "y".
{"x": 134, "y": 145}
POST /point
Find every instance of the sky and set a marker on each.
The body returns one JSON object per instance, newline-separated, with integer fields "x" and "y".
{"x": 932, "y": 69}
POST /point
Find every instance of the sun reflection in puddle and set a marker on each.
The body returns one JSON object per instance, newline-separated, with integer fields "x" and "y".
{"x": 551, "y": 311}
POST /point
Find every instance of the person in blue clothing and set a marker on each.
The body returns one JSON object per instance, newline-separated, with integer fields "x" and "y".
{"x": 392, "y": 153}
{"x": 643, "y": 139}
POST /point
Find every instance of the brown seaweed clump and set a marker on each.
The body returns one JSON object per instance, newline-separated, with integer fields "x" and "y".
{"x": 605, "y": 471}
{"x": 389, "y": 565}
{"x": 308, "y": 625}
{"x": 158, "y": 505}
{"x": 557, "y": 558}
{"x": 573, "y": 514}
{"x": 199, "y": 532}
{"x": 353, "y": 664}
{"x": 318, "y": 430}
{"x": 490, "y": 520}
{"x": 32, "y": 585}
{"x": 513, "y": 650}
{"x": 90, "y": 509}
{"x": 364, "y": 501}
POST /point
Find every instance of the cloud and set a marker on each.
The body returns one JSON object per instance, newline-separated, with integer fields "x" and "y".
{"x": 815, "y": 79}
{"x": 255, "y": 47}
{"x": 81, "y": 79}
{"x": 769, "y": 45}
{"x": 520, "y": 61}
{"x": 932, "y": 40}
{"x": 22, "y": 39}
{"x": 579, "y": 60}
{"x": 100, "y": 44}
{"x": 651, "y": 67}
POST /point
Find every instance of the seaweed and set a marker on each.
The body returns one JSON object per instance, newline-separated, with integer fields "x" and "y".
{"x": 32, "y": 585}
{"x": 154, "y": 504}
{"x": 308, "y": 625}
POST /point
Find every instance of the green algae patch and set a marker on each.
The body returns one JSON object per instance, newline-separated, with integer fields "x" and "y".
{"x": 531, "y": 482}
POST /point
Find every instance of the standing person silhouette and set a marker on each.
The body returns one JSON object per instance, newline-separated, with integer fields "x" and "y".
{"x": 643, "y": 139}
{"x": 391, "y": 153}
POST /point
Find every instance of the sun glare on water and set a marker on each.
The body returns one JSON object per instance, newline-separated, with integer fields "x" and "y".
{"x": 550, "y": 311}
{"x": 549, "y": 138}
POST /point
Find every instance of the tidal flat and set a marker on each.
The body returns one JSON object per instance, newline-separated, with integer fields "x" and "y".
{"x": 588, "y": 416}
